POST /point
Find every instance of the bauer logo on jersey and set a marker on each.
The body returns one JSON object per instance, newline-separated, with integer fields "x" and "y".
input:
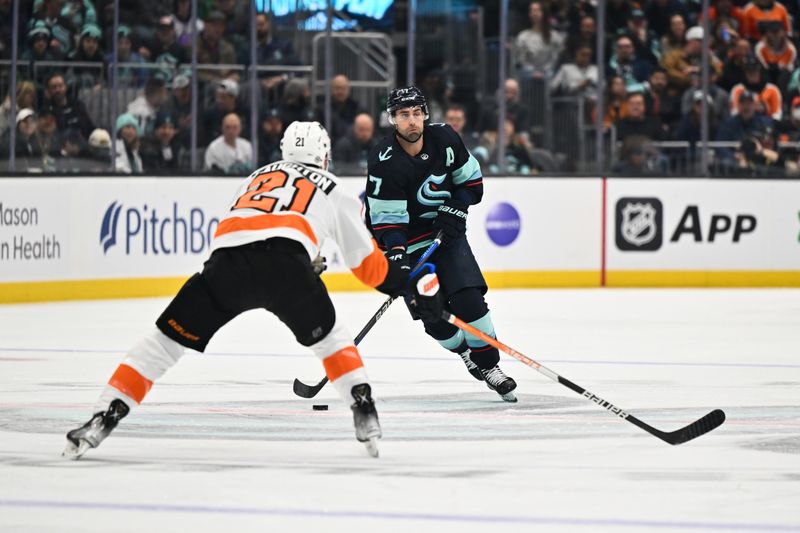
{"x": 149, "y": 229}
{"x": 639, "y": 224}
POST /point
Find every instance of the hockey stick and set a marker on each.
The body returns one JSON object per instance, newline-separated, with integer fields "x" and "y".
{"x": 699, "y": 427}
{"x": 309, "y": 391}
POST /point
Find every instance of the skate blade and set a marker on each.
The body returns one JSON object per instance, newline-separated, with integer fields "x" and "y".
{"x": 75, "y": 452}
{"x": 509, "y": 397}
{"x": 372, "y": 446}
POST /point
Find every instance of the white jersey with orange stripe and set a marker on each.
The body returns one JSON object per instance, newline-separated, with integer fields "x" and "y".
{"x": 306, "y": 204}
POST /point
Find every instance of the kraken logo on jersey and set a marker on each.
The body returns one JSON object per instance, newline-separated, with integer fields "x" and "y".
{"x": 428, "y": 194}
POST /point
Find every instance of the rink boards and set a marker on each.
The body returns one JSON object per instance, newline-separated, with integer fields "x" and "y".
{"x": 78, "y": 238}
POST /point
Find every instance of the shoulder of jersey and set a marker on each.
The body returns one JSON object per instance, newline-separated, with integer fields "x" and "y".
{"x": 442, "y": 131}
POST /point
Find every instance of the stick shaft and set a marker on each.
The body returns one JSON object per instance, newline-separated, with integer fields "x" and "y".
{"x": 699, "y": 427}
{"x": 309, "y": 391}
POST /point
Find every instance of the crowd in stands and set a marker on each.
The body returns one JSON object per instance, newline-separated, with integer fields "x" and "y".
{"x": 652, "y": 70}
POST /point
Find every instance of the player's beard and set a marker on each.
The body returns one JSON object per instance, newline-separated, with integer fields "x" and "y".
{"x": 411, "y": 139}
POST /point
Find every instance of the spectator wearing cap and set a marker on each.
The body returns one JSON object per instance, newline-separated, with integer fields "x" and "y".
{"x": 225, "y": 102}
{"x": 733, "y": 69}
{"x": 639, "y": 158}
{"x": 659, "y": 13}
{"x": 758, "y": 13}
{"x": 88, "y": 51}
{"x": 645, "y": 40}
{"x": 26, "y": 135}
{"x": 351, "y": 152}
{"x": 230, "y": 154}
{"x": 775, "y": 52}
{"x": 128, "y": 76}
{"x": 62, "y": 30}
{"x": 26, "y": 97}
{"x": 213, "y": 49}
{"x": 70, "y": 112}
{"x": 537, "y": 48}
{"x": 161, "y": 149}
{"x": 745, "y": 123}
{"x": 638, "y": 122}
{"x": 720, "y": 99}
{"x": 683, "y": 65}
{"x": 625, "y": 64}
{"x": 128, "y": 160}
{"x": 39, "y": 49}
{"x": 79, "y": 12}
{"x": 270, "y": 50}
{"x": 690, "y": 126}
{"x": 768, "y": 98}
{"x": 179, "y": 106}
{"x": 164, "y": 47}
{"x": 269, "y": 142}
{"x": 145, "y": 107}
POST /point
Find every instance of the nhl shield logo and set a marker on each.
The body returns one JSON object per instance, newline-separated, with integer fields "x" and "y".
{"x": 639, "y": 224}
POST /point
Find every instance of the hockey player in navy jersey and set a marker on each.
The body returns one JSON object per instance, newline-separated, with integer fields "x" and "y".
{"x": 421, "y": 179}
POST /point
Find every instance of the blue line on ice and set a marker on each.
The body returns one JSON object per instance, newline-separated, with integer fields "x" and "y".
{"x": 428, "y": 517}
{"x": 427, "y": 358}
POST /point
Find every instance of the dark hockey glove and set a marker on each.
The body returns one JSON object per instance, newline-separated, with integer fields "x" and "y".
{"x": 319, "y": 264}
{"x": 398, "y": 255}
{"x": 451, "y": 218}
{"x": 424, "y": 298}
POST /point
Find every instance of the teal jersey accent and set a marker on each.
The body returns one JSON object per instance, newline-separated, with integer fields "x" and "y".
{"x": 471, "y": 170}
{"x": 387, "y": 211}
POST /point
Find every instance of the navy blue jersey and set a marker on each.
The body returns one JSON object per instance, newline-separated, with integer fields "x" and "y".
{"x": 404, "y": 191}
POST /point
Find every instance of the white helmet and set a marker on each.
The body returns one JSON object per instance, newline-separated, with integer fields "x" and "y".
{"x": 306, "y": 142}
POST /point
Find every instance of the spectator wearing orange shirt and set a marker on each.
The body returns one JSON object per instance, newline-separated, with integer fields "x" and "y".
{"x": 726, "y": 11}
{"x": 758, "y": 12}
{"x": 768, "y": 98}
{"x": 775, "y": 52}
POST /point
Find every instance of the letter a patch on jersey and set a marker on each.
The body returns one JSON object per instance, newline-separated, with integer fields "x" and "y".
{"x": 451, "y": 157}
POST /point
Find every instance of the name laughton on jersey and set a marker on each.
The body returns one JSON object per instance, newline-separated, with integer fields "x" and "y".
{"x": 323, "y": 183}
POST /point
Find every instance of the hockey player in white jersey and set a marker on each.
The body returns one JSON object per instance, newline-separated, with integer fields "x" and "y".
{"x": 263, "y": 257}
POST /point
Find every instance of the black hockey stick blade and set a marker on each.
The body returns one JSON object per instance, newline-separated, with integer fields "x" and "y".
{"x": 308, "y": 391}
{"x": 699, "y": 427}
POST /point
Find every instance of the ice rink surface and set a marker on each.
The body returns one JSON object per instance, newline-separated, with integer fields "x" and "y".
{"x": 222, "y": 443}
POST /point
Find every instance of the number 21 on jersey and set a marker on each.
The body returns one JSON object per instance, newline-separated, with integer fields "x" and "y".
{"x": 267, "y": 189}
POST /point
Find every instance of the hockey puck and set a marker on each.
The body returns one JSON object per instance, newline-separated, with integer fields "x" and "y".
{"x": 320, "y": 407}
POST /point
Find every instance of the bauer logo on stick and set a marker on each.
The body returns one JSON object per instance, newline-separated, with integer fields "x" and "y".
{"x": 639, "y": 224}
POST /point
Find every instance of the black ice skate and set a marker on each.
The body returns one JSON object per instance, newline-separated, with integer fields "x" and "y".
{"x": 93, "y": 432}
{"x": 471, "y": 367}
{"x": 500, "y": 383}
{"x": 365, "y": 418}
